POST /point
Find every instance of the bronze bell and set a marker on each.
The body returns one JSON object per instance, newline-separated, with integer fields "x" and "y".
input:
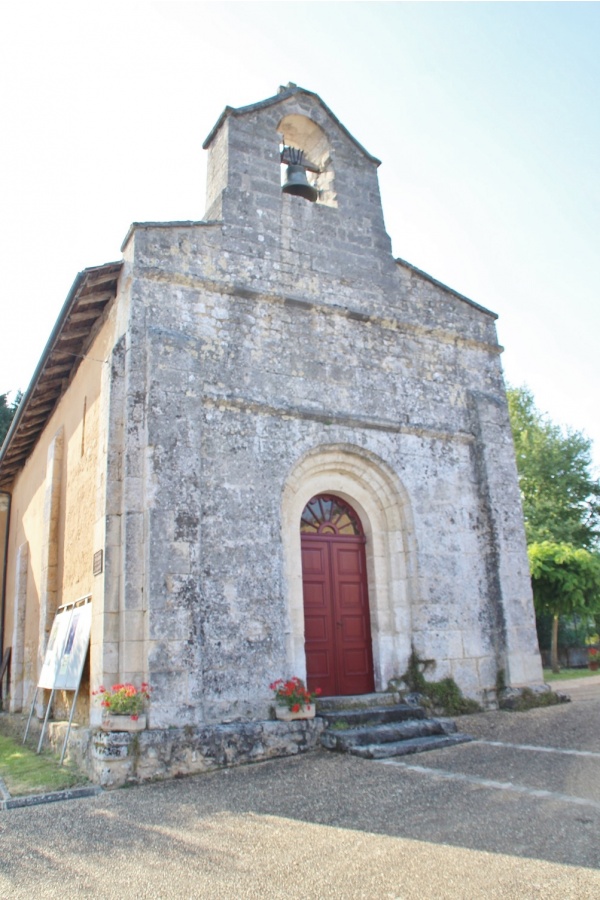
{"x": 296, "y": 182}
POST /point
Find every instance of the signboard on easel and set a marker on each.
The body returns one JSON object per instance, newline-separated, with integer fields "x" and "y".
{"x": 67, "y": 647}
{"x": 65, "y": 657}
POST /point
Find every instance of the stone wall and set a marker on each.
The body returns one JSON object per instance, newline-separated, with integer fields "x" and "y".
{"x": 262, "y": 340}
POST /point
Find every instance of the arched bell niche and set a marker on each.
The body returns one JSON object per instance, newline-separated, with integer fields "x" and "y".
{"x": 301, "y": 133}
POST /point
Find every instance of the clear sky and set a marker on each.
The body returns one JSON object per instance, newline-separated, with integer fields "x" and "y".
{"x": 486, "y": 117}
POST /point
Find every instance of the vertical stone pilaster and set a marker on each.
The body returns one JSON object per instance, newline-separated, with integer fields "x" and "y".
{"x": 134, "y": 546}
{"x": 49, "y": 568}
{"x": 172, "y": 615}
{"x": 509, "y": 585}
{"x": 18, "y": 636}
{"x": 104, "y": 658}
{"x": 118, "y": 625}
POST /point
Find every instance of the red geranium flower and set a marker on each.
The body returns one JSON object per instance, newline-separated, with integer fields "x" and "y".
{"x": 124, "y": 699}
{"x": 293, "y": 693}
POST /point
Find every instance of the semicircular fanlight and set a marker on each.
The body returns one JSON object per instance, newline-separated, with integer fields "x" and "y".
{"x": 329, "y": 515}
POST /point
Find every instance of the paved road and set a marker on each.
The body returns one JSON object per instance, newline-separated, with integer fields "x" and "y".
{"x": 516, "y": 814}
{"x": 580, "y": 688}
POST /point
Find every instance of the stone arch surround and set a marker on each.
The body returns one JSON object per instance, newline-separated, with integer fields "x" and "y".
{"x": 382, "y": 502}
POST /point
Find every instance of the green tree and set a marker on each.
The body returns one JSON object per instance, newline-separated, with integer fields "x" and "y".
{"x": 561, "y": 497}
{"x": 565, "y": 581}
{"x": 7, "y": 412}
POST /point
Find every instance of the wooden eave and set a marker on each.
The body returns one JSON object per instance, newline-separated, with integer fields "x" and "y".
{"x": 92, "y": 290}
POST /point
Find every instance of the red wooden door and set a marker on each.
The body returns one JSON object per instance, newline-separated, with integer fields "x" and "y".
{"x": 337, "y": 631}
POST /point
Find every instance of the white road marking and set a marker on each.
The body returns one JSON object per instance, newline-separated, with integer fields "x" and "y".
{"x": 490, "y": 783}
{"x": 538, "y": 749}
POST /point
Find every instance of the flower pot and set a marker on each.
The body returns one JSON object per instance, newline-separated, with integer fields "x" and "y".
{"x": 285, "y": 714}
{"x": 594, "y": 666}
{"x": 123, "y": 723}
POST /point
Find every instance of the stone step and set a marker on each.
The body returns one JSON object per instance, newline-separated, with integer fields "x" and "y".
{"x": 413, "y": 745}
{"x": 360, "y": 701}
{"x": 378, "y": 726}
{"x": 376, "y": 715}
{"x": 345, "y": 740}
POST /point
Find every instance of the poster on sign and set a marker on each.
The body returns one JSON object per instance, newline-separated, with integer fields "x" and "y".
{"x": 75, "y": 649}
{"x": 67, "y": 648}
{"x": 55, "y": 647}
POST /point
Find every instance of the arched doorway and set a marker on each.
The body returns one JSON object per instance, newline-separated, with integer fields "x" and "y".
{"x": 337, "y": 627}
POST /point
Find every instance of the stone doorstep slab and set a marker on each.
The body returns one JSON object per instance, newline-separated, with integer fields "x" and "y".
{"x": 358, "y": 702}
{"x": 413, "y": 745}
{"x": 8, "y": 802}
{"x": 376, "y": 715}
{"x": 346, "y": 740}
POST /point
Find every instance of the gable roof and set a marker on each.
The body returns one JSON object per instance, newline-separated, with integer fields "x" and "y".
{"x": 285, "y": 93}
{"x": 90, "y": 293}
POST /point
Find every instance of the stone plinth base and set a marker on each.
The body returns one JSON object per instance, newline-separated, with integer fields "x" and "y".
{"x": 113, "y": 759}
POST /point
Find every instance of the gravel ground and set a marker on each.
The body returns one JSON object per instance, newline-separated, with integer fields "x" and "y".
{"x": 331, "y": 826}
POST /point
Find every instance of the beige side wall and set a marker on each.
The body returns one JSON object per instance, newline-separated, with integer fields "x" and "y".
{"x": 79, "y": 417}
{"x": 4, "y": 514}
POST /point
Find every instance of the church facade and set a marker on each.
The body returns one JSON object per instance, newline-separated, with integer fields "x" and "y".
{"x": 287, "y": 452}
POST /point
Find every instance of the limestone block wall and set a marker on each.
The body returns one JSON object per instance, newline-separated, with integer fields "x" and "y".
{"x": 282, "y": 351}
{"x": 236, "y": 394}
